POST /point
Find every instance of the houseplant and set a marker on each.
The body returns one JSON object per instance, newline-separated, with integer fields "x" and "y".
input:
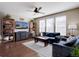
{"x": 75, "y": 51}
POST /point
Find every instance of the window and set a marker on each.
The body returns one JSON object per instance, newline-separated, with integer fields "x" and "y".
{"x": 42, "y": 26}
{"x": 50, "y": 25}
{"x": 60, "y": 25}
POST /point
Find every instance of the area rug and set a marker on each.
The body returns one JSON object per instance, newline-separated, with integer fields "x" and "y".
{"x": 39, "y": 48}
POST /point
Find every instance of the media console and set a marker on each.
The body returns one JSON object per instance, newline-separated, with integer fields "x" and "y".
{"x": 21, "y": 35}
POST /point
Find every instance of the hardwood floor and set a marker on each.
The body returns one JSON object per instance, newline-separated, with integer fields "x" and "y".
{"x": 16, "y": 49}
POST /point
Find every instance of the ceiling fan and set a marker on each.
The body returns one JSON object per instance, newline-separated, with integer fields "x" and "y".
{"x": 37, "y": 10}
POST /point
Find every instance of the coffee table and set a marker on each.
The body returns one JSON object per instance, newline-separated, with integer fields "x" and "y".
{"x": 42, "y": 39}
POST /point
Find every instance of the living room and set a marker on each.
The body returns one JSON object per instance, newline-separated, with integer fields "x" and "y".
{"x": 39, "y": 29}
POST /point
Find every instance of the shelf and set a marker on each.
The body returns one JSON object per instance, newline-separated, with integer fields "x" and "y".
{"x": 8, "y": 28}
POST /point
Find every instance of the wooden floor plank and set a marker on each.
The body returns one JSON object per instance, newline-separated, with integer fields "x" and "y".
{"x": 16, "y": 50}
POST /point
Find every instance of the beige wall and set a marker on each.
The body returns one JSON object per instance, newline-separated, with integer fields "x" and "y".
{"x": 71, "y": 15}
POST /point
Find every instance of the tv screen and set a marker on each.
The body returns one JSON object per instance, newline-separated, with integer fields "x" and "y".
{"x": 22, "y": 25}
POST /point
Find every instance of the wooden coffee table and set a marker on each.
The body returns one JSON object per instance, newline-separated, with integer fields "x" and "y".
{"x": 42, "y": 39}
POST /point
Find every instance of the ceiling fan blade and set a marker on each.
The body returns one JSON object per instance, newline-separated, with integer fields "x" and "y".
{"x": 39, "y": 8}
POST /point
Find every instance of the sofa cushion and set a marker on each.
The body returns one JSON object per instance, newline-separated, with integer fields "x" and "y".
{"x": 50, "y": 34}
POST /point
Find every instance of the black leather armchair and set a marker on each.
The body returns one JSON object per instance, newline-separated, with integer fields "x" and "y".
{"x": 63, "y": 50}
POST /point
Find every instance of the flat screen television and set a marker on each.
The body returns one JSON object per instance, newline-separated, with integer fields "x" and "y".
{"x": 22, "y": 25}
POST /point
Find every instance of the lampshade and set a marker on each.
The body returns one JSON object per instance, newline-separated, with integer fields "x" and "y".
{"x": 72, "y": 27}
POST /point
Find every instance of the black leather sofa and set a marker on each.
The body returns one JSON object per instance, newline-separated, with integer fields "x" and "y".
{"x": 63, "y": 50}
{"x": 51, "y": 40}
{"x": 50, "y": 34}
{"x": 21, "y": 35}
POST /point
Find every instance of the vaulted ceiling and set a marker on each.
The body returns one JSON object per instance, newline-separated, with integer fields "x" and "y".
{"x": 21, "y": 9}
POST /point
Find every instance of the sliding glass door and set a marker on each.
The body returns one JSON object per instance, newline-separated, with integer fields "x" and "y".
{"x": 60, "y": 25}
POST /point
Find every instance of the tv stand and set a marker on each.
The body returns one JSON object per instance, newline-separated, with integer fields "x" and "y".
{"x": 22, "y": 35}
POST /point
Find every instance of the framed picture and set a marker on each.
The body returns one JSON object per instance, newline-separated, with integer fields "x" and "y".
{"x": 22, "y": 25}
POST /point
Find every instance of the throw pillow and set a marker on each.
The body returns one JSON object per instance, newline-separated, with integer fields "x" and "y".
{"x": 70, "y": 41}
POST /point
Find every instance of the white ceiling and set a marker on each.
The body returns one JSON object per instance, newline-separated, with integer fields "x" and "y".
{"x": 20, "y": 9}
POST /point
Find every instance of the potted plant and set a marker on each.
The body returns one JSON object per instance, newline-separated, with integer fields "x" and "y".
{"x": 75, "y": 52}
